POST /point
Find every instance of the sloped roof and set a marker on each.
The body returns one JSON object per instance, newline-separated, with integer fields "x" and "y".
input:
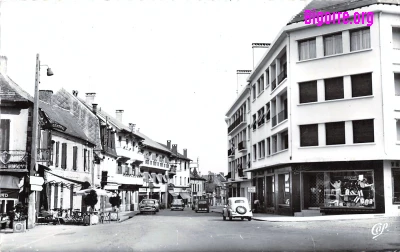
{"x": 337, "y": 6}
{"x": 195, "y": 175}
{"x": 10, "y": 91}
{"x": 153, "y": 144}
{"x": 111, "y": 119}
{"x": 64, "y": 118}
{"x": 179, "y": 154}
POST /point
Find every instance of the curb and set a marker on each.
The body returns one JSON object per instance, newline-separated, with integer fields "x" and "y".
{"x": 129, "y": 217}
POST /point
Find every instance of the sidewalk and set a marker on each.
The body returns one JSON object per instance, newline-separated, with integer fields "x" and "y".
{"x": 280, "y": 218}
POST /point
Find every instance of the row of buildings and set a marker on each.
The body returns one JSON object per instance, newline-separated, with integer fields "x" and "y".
{"x": 81, "y": 146}
{"x": 315, "y": 128}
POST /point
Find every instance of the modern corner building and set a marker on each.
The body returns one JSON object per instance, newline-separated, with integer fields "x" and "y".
{"x": 325, "y": 115}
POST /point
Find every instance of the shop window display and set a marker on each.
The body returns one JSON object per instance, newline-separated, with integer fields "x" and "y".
{"x": 396, "y": 185}
{"x": 284, "y": 190}
{"x": 349, "y": 189}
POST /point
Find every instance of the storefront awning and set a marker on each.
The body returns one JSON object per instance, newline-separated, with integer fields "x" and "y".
{"x": 83, "y": 183}
{"x": 165, "y": 179}
{"x": 174, "y": 194}
{"x": 185, "y": 195}
{"x": 153, "y": 176}
{"x": 9, "y": 182}
{"x": 111, "y": 187}
{"x": 159, "y": 178}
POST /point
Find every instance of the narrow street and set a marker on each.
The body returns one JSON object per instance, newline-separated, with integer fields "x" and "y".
{"x": 190, "y": 231}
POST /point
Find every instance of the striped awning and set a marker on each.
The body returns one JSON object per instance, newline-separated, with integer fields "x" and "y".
{"x": 159, "y": 178}
{"x": 165, "y": 179}
{"x": 185, "y": 195}
{"x": 153, "y": 176}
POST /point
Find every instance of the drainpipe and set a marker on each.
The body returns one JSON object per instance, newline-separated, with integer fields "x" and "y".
{"x": 380, "y": 65}
{"x": 290, "y": 100}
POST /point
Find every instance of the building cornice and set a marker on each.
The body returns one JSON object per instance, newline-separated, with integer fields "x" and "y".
{"x": 241, "y": 97}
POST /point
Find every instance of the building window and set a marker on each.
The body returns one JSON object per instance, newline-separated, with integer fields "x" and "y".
{"x": 254, "y": 92}
{"x": 333, "y": 44}
{"x": 261, "y": 149}
{"x": 360, "y": 39}
{"x": 5, "y": 134}
{"x": 274, "y": 144}
{"x": 268, "y": 146}
{"x": 260, "y": 84}
{"x": 307, "y": 49}
{"x": 57, "y": 153}
{"x": 398, "y": 129}
{"x": 64, "y": 156}
{"x": 84, "y": 159}
{"x": 363, "y": 131}
{"x": 254, "y": 122}
{"x": 361, "y": 85}
{"x": 309, "y": 135}
{"x": 254, "y": 152}
{"x": 335, "y": 133}
{"x": 343, "y": 189}
{"x": 285, "y": 140}
{"x": 334, "y": 88}
{"x": 308, "y": 92}
{"x": 284, "y": 190}
{"x": 396, "y": 185}
{"x": 261, "y": 117}
{"x": 397, "y": 84}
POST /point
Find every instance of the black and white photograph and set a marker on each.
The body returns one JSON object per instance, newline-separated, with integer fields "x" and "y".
{"x": 199, "y": 125}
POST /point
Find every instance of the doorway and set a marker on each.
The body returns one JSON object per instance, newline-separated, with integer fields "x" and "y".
{"x": 313, "y": 190}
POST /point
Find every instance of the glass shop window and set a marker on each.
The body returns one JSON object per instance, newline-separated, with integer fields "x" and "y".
{"x": 349, "y": 189}
{"x": 284, "y": 190}
{"x": 396, "y": 185}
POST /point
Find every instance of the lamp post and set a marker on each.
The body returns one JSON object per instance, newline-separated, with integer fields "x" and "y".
{"x": 35, "y": 138}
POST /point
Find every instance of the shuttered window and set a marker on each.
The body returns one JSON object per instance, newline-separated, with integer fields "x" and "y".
{"x": 363, "y": 131}
{"x": 55, "y": 196}
{"x": 335, "y": 133}
{"x": 361, "y": 85}
{"x": 75, "y": 157}
{"x": 4, "y": 134}
{"x": 84, "y": 159}
{"x": 64, "y": 156}
{"x": 308, "y": 92}
{"x": 309, "y": 135}
{"x": 57, "y": 153}
{"x": 334, "y": 88}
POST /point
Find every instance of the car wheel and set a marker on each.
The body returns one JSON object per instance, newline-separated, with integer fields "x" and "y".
{"x": 249, "y": 219}
{"x": 197, "y": 211}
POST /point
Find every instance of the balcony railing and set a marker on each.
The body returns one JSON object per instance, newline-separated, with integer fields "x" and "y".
{"x": 282, "y": 76}
{"x": 13, "y": 159}
{"x": 273, "y": 84}
{"x": 261, "y": 122}
{"x": 241, "y": 146}
{"x": 283, "y": 115}
{"x": 239, "y": 120}
{"x": 231, "y": 152}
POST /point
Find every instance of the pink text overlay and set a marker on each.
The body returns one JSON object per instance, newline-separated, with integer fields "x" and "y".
{"x": 319, "y": 18}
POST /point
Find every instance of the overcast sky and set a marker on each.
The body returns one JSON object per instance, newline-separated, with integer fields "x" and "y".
{"x": 171, "y": 64}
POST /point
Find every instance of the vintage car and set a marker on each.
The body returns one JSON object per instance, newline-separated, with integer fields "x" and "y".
{"x": 148, "y": 205}
{"x": 177, "y": 204}
{"x": 201, "y": 205}
{"x": 237, "y": 207}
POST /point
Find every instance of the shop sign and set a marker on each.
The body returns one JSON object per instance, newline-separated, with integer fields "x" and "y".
{"x": 9, "y": 194}
{"x": 36, "y": 180}
{"x": 350, "y": 177}
{"x": 36, "y": 188}
{"x": 251, "y": 189}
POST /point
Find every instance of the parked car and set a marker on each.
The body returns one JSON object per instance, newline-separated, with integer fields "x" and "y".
{"x": 148, "y": 205}
{"x": 237, "y": 207}
{"x": 177, "y": 204}
{"x": 157, "y": 205}
{"x": 202, "y": 205}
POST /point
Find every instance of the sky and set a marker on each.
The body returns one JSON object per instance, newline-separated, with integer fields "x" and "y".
{"x": 169, "y": 64}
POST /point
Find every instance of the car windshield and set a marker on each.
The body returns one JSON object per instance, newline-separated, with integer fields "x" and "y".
{"x": 239, "y": 201}
{"x": 203, "y": 202}
{"x": 148, "y": 202}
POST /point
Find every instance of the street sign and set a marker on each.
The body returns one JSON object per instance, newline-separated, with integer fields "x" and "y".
{"x": 251, "y": 189}
{"x": 36, "y": 180}
{"x": 36, "y": 188}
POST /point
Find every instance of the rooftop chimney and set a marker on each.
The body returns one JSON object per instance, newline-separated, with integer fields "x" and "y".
{"x": 75, "y": 92}
{"x": 185, "y": 153}
{"x": 3, "y": 65}
{"x": 132, "y": 127}
{"x": 175, "y": 149}
{"x": 94, "y": 105}
{"x": 90, "y": 98}
{"x": 258, "y": 51}
{"x": 118, "y": 114}
{"x": 242, "y": 79}
{"x": 45, "y": 96}
{"x": 169, "y": 144}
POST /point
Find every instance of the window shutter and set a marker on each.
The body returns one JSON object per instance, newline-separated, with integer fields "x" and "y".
{"x": 84, "y": 159}
{"x": 57, "y": 153}
{"x": 75, "y": 157}
{"x": 4, "y": 134}
{"x": 55, "y": 196}
{"x": 64, "y": 156}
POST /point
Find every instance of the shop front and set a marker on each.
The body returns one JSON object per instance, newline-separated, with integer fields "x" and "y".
{"x": 9, "y": 192}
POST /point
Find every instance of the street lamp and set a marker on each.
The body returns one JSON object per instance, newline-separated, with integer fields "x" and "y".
{"x": 35, "y": 129}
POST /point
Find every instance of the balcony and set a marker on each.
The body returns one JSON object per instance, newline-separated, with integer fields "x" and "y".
{"x": 242, "y": 146}
{"x": 282, "y": 76}
{"x": 13, "y": 159}
{"x": 261, "y": 122}
{"x": 273, "y": 84}
{"x": 231, "y": 152}
{"x": 154, "y": 166}
{"x": 280, "y": 117}
{"x": 228, "y": 176}
{"x": 132, "y": 155}
{"x": 238, "y": 122}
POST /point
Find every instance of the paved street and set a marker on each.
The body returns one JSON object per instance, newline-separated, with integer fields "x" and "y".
{"x": 190, "y": 231}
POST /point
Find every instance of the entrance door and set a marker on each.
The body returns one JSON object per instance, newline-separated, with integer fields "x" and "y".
{"x": 270, "y": 191}
{"x": 313, "y": 189}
